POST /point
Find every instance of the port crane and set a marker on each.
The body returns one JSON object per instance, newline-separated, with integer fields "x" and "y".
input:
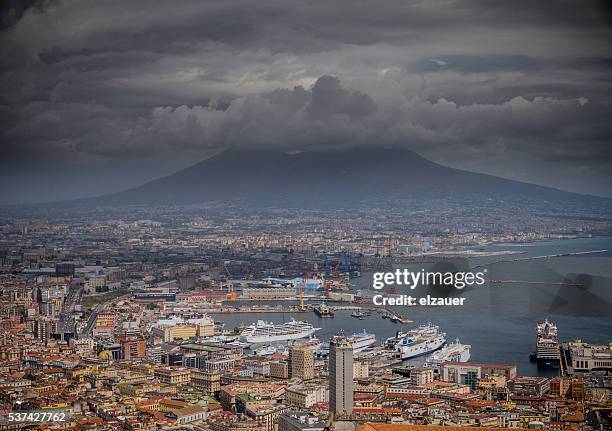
{"x": 230, "y": 287}
{"x": 302, "y": 306}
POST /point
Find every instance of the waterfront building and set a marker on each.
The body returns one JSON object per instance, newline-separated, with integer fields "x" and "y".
{"x": 177, "y": 328}
{"x": 588, "y": 357}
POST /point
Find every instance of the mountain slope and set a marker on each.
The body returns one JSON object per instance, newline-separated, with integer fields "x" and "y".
{"x": 274, "y": 178}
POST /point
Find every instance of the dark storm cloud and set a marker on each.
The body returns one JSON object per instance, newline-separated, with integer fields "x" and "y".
{"x": 518, "y": 89}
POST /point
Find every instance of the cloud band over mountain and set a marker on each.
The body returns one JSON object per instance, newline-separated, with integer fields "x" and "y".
{"x": 97, "y": 98}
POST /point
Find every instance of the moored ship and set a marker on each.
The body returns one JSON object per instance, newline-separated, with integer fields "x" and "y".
{"x": 420, "y": 341}
{"x": 391, "y": 342}
{"x": 268, "y": 332}
{"x": 547, "y": 345}
{"x": 361, "y": 340}
{"x": 453, "y": 352}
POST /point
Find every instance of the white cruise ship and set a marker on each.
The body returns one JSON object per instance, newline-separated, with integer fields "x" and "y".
{"x": 420, "y": 341}
{"x": 547, "y": 347}
{"x": 453, "y": 352}
{"x": 361, "y": 341}
{"x": 268, "y": 332}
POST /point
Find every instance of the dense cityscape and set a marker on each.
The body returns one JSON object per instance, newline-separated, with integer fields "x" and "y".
{"x": 281, "y": 215}
{"x": 114, "y": 320}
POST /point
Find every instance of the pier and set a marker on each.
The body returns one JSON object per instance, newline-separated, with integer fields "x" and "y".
{"x": 396, "y": 317}
{"x": 546, "y": 256}
{"x": 263, "y": 309}
{"x": 565, "y": 360}
{"x": 552, "y": 283}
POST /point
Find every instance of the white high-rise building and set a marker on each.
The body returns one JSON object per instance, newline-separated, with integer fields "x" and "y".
{"x": 340, "y": 376}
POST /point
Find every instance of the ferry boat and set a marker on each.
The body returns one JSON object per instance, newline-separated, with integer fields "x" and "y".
{"x": 420, "y": 341}
{"x": 391, "y": 342}
{"x": 361, "y": 341}
{"x": 547, "y": 345}
{"x": 420, "y": 331}
{"x": 453, "y": 352}
{"x": 268, "y": 332}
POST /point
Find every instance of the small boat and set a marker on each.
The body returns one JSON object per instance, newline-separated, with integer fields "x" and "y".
{"x": 322, "y": 310}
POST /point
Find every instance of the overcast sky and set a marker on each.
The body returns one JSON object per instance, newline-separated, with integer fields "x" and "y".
{"x": 98, "y": 96}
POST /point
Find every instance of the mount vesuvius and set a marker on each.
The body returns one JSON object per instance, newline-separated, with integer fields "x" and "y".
{"x": 334, "y": 179}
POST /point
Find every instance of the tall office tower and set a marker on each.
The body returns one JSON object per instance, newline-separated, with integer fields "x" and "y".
{"x": 301, "y": 362}
{"x": 340, "y": 376}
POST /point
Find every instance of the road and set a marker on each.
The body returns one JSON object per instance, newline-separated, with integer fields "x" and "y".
{"x": 73, "y": 297}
